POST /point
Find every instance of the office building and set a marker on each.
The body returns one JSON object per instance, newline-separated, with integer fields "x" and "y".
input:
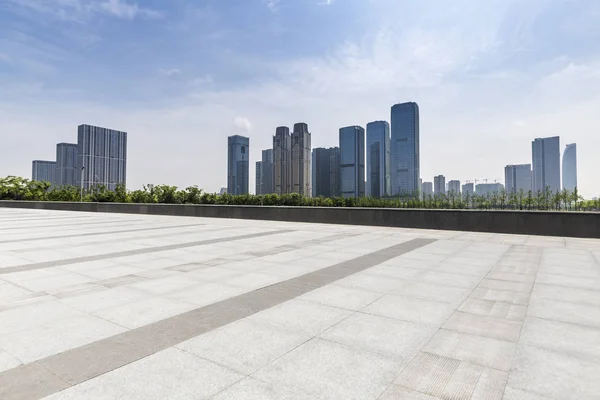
{"x": 258, "y": 178}
{"x": 517, "y": 178}
{"x": 427, "y": 188}
{"x": 546, "y": 164}
{"x": 484, "y": 189}
{"x": 378, "y": 159}
{"x": 569, "y": 167}
{"x": 468, "y": 189}
{"x": 454, "y": 187}
{"x": 267, "y": 171}
{"x": 102, "y": 153}
{"x": 325, "y": 172}
{"x": 238, "y": 164}
{"x": 404, "y": 147}
{"x": 352, "y": 161}
{"x": 282, "y": 173}
{"x": 66, "y": 164}
{"x": 301, "y": 159}
{"x": 439, "y": 185}
{"x": 44, "y": 171}
{"x": 223, "y": 191}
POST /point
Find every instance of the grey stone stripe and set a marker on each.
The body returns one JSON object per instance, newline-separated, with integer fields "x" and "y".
{"x": 77, "y": 224}
{"x": 70, "y": 261}
{"x": 97, "y": 233}
{"x": 37, "y": 218}
{"x": 58, "y": 372}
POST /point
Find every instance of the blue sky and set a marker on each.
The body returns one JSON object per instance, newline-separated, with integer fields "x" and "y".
{"x": 181, "y": 75}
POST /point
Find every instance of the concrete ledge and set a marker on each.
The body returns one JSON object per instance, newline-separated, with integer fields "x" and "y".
{"x": 546, "y": 223}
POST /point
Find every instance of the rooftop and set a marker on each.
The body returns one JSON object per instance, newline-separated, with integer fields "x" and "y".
{"x": 117, "y": 306}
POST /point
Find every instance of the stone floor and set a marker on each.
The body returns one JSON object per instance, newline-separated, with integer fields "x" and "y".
{"x": 108, "y": 306}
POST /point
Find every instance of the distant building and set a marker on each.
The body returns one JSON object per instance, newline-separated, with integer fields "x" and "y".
{"x": 325, "y": 172}
{"x": 267, "y": 171}
{"x": 44, "y": 171}
{"x": 238, "y": 164}
{"x": 427, "y": 188}
{"x": 66, "y": 164}
{"x": 102, "y": 153}
{"x": 546, "y": 164}
{"x": 468, "y": 188}
{"x": 301, "y": 159}
{"x": 404, "y": 149}
{"x": 258, "y": 178}
{"x": 378, "y": 159}
{"x": 352, "y": 161}
{"x": 282, "y": 173}
{"x": 439, "y": 184}
{"x": 517, "y": 177}
{"x": 483, "y": 189}
{"x": 223, "y": 190}
{"x": 454, "y": 187}
{"x": 569, "y": 167}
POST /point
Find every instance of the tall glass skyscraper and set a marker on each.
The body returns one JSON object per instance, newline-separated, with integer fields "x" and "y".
{"x": 439, "y": 184}
{"x": 569, "y": 167}
{"x": 517, "y": 178}
{"x": 404, "y": 157}
{"x": 238, "y": 164}
{"x": 301, "y": 159}
{"x": 259, "y": 178}
{"x": 282, "y": 172}
{"x": 44, "y": 171}
{"x": 267, "y": 171}
{"x": 325, "y": 172}
{"x": 352, "y": 161}
{"x": 378, "y": 159}
{"x": 546, "y": 164}
{"x": 102, "y": 153}
{"x": 66, "y": 164}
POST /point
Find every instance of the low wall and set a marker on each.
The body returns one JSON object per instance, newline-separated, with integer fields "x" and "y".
{"x": 547, "y": 223}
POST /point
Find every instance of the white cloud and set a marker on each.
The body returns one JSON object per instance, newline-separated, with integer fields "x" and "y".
{"x": 326, "y": 2}
{"x": 122, "y": 9}
{"x": 169, "y": 72}
{"x": 243, "y": 123}
{"x": 273, "y": 4}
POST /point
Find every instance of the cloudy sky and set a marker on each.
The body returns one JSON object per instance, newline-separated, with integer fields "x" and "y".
{"x": 181, "y": 75}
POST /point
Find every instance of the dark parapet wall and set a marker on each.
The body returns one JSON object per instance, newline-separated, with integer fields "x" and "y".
{"x": 545, "y": 223}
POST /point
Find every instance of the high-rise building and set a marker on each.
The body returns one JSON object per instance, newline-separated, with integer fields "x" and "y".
{"x": 468, "y": 189}
{"x": 102, "y": 153}
{"x": 427, "y": 188}
{"x": 258, "y": 178}
{"x": 454, "y": 187}
{"x": 517, "y": 177}
{"x": 352, "y": 161}
{"x": 546, "y": 164}
{"x": 378, "y": 159}
{"x": 223, "y": 190}
{"x": 483, "y": 189}
{"x": 439, "y": 184}
{"x": 44, "y": 171}
{"x": 66, "y": 164}
{"x": 238, "y": 164}
{"x": 267, "y": 171}
{"x": 404, "y": 156}
{"x": 325, "y": 172}
{"x": 282, "y": 172}
{"x": 301, "y": 158}
{"x": 569, "y": 167}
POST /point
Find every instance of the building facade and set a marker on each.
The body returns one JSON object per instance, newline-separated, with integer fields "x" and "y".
{"x": 546, "y": 164}
{"x": 102, "y": 154}
{"x": 352, "y": 161}
{"x": 427, "y": 188}
{"x": 468, "y": 189}
{"x": 569, "y": 167}
{"x": 238, "y": 164}
{"x": 325, "y": 172}
{"x": 378, "y": 159}
{"x": 404, "y": 149}
{"x": 301, "y": 159}
{"x": 484, "y": 189}
{"x": 454, "y": 187}
{"x": 44, "y": 171}
{"x": 267, "y": 171}
{"x": 258, "y": 189}
{"x": 282, "y": 173}
{"x": 517, "y": 177}
{"x": 66, "y": 164}
{"x": 439, "y": 185}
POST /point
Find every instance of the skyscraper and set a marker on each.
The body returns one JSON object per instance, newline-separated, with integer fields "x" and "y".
{"x": 454, "y": 187}
{"x": 404, "y": 157}
{"x": 439, "y": 184}
{"x": 238, "y": 164}
{"x": 325, "y": 171}
{"x": 569, "y": 167}
{"x": 44, "y": 171}
{"x": 258, "y": 178}
{"x": 301, "y": 159}
{"x": 546, "y": 164}
{"x": 378, "y": 159}
{"x": 102, "y": 153}
{"x": 427, "y": 188}
{"x": 66, "y": 164}
{"x": 517, "y": 177}
{"x": 484, "y": 189}
{"x": 282, "y": 173}
{"x": 267, "y": 171}
{"x": 468, "y": 189}
{"x": 352, "y": 161}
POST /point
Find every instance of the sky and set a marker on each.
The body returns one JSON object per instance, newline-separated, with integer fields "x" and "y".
{"x": 181, "y": 75}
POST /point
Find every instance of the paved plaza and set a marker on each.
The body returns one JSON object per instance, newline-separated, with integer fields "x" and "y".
{"x": 123, "y": 306}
